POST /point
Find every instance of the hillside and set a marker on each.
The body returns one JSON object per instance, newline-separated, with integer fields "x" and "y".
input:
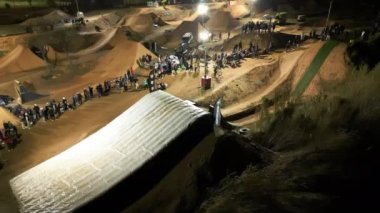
{"x": 326, "y": 163}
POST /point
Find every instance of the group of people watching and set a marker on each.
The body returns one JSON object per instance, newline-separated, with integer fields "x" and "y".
{"x": 54, "y": 109}
{"x": 9, "y": 136}
{"x": 144, "y": 60}
{"x": 258, "y": 27}
{"x": 128, "y": 79}
{"x": 335, "y": 31}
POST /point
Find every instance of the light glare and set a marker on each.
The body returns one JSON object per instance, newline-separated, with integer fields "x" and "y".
{"x": 202, "y": 9}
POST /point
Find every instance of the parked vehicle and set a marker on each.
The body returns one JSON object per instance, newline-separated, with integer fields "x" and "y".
{"x": 301, "y": 18}
{"x": 281, "y": 17}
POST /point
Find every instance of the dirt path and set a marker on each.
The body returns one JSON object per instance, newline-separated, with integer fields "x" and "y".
{"x": 187, "y": 84}
{"x": 287, "y": 63}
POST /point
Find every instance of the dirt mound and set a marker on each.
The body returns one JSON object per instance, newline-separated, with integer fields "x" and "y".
{"x": 73, "y": 43}
{"x": 119, "y": 37}
{"x": 240, "y": 11}
{"x": 104, "y": 39}
{"x": 244, "y": 85}
{"x": 186, "y": 26}
{"x": 118, "y": 60}
{"x": 108, "y": 20}
{"x": 143, "y": 23}
{"x": 5, "y": 116}
{"x": 53, "y": 17}
{"x": 221, "y": 21}
{"x": 8, "y": 43}
{"x": 172, "y": 13}
{"x": 21, "y": 59}
{"x": 279, "y": 40}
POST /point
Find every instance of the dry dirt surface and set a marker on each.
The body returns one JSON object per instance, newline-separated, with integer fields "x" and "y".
{"x": 240, "y": 10}
{"x": 108, "y": 66}
{"x": 6, "y": 116}
{"x": 267, "y": 83}
{"x": 105, "y": 38}
{"x": 143, "y": 23}
{"x": 8, "y": 43}
{"x": 221, "y": 21}
{"x": 21, "y": 59}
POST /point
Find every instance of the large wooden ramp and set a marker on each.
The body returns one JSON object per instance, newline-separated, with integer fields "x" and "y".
{"x": 119, "y": 163}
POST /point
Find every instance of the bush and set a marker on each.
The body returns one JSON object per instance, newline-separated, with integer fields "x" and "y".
{"x": 364, "y": 53}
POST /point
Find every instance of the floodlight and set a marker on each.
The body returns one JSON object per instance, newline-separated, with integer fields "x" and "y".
{"x": 202, "y": 9}
{"x": 204, "y": 35}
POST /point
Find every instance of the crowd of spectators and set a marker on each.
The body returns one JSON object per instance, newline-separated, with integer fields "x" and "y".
{"x": 258, "y": 27}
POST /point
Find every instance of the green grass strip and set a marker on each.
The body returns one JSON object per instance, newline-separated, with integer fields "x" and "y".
{"x": 314, "y": 67}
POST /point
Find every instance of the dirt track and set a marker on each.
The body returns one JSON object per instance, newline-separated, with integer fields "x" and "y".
{"x": 47, "y": 139}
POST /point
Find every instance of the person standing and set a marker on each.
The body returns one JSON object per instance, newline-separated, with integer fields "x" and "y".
{"x": 91, "y": 91}
{"x": 46, "y": 112}
{"x": 75, "y": 102}
{"x": 36, "y": 110}
{"x": 80, "y": 98}
{"x": 86, "y": 94}
{"x": 64, "y": 104}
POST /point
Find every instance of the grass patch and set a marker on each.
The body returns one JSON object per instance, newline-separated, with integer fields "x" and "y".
{"x": 314, "y": 67}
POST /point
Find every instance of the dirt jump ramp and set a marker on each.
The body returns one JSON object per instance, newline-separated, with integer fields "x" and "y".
{"x": 21, "y": 59}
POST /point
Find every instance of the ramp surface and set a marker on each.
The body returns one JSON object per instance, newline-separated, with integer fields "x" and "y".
{"x": 109, "y": 156}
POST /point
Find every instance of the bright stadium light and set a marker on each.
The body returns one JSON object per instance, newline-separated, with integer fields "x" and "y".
{"x": 204, "y": 35}
{"x": 202, "y": 9}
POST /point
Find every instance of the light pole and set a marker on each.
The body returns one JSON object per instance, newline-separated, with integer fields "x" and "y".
{"x": 76, "y": 3}
{"x": 205, "y": 81}
{"x": 328, "y": 15}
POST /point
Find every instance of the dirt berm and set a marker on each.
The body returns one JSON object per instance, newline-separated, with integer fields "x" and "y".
{"x": 21, "y": 59}
{"x": 221, "y": 21}
{"x": 243, "y": 86}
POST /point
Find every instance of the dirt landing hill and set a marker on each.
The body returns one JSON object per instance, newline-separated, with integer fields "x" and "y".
{"x": 21, "y": 59}
{"x": 240, "y": 10}
{"x": 333, "y": 70}
{"x": 221, "y": 21}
